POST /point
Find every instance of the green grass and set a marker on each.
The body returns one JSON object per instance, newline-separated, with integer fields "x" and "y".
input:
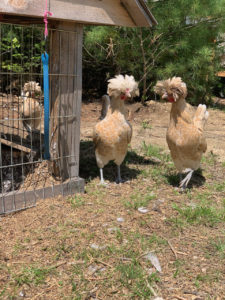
{"x": 209, "y": 159}
{"x": 207, "y": 278}
{"x": 201, "y": 214}
{"x": 76, "y": 201}
{"x": 155, "y": 151}
{"x": 218, "y": 246}
{"x": 136, "y": 280}
{"x": 178, "y": 265}
{"x": 146, "y": 125}
{"x": 219, "y": 187}
{"x": 32, "y": 275}
{"x": 145, "y": 242}
{"x": 152, "y": 150}
{"x": 18, "y": 247}
{"x": 139, "y": 200}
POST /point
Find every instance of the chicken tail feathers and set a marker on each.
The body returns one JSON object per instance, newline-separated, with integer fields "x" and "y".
{"x": 201, "y": 117}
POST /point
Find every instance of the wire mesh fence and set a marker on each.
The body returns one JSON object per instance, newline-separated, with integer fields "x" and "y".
{"x": 24, "y": 174}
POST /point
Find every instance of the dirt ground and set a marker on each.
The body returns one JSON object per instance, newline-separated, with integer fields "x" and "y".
{"x": 142, "y": 239}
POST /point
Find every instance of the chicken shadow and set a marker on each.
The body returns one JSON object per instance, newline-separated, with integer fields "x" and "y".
{"x": 133, "y": 158}
{"x": 197, "y": 179}
{"x": 90, "y": 170}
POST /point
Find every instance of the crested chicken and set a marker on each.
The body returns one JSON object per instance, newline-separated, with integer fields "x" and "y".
{"x": 30, "y": 108}
{"x": 113, "y": 133}
{"x": 185, "y": 134}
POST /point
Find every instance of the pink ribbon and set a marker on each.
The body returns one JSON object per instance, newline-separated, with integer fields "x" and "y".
{"x": 46, "y": 13}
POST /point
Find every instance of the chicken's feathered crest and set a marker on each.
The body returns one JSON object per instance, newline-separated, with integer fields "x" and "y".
{"x": 32, "y": 86}
{"x": 119, "y": 84}
{"x": 173, "y": 86}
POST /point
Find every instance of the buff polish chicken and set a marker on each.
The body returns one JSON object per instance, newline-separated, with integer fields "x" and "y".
{"x": 113, "y": 133}
{"x": 185, "y": 134}
{"x": 30, "y": 108}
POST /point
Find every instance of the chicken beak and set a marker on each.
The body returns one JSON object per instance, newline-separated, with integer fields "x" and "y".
{"x": 128, "y": 95}
{"x": 164, "y": 96}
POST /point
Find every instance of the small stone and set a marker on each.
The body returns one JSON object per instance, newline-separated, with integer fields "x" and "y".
{"x": 112, "y": 229}
{"x": 92, "y": 269}
{"x": 155, "y": 159}
{"x": 22, "y": 294}
{"x": 204, "y": 270}
{"x": 94, "y": 246}
{"x": 102, "y": 269}
{"x": 142, "y": 210}
{"x": 120, "y": 220}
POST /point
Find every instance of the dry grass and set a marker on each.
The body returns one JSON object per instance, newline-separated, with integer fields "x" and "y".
{"x": 77, "y": 248}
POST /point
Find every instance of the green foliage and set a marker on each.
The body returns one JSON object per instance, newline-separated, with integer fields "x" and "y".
{"x": 21, "y": 48}
{"x": 184, "y": 43}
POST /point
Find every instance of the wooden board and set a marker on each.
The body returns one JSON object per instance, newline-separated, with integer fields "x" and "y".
{"x": 107, "y": 12}
{"x": 17, "y": 146}
{"x": 139, "y": 12}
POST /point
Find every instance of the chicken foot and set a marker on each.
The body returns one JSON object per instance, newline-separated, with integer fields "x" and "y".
{"x": 185, "y": 181}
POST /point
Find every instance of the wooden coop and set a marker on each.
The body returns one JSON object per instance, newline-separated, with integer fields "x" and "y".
{"x": 25, "y": 175}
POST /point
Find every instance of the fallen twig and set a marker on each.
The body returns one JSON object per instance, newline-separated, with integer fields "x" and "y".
{"x": 172, "y": 248}
{"x": 103, "y": 263}
{"x": 151, "y": 288}
{"x": 180, "y": 298}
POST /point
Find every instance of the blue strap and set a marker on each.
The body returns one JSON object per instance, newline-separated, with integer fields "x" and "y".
{"x": 45, "y": 59}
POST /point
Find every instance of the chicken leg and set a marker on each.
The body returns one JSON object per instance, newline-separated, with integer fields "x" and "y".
{"x": 185, "y": 181}
{"x": 118, "y": 179}
{"x": 102, "y": 178}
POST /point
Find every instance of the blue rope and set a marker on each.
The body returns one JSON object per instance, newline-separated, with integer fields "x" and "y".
{"x": 45, "y": 59}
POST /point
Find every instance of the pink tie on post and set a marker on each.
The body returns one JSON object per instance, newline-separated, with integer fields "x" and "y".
{"x": 46, "y": 13}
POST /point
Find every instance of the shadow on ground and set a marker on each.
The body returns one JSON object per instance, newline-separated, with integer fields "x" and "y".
{"x": 197, "y": 179}
{"x": 89, "y": 169}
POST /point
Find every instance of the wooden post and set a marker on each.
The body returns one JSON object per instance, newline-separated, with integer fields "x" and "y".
{"x": 65, "y": 95}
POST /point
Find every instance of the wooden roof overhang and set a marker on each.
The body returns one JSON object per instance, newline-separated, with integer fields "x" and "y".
{"x": 130, "y": 13}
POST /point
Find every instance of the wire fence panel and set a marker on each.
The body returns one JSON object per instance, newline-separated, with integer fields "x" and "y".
{"x": 24, "y": 174}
